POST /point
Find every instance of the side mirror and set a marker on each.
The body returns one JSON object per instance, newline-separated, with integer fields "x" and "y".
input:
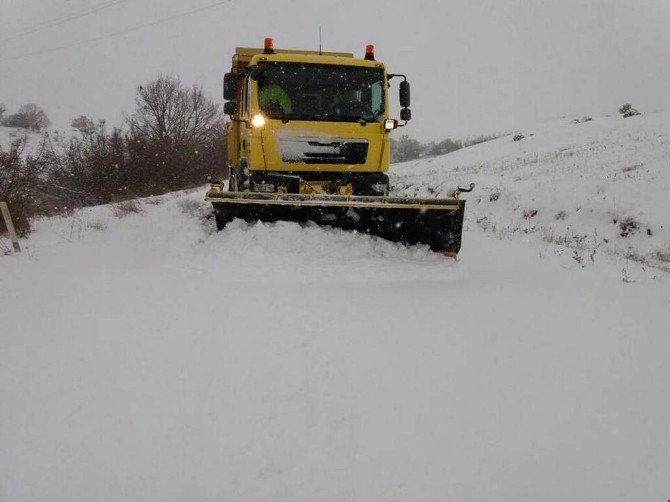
{"x": 404, "y": 94}
{"x": 258, "y": 73}
{"x": 405, "y": 114}
{"x": 230, "y": 107}
{"x": 229, "y": 87}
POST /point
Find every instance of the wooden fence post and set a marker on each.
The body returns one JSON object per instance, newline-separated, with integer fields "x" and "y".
{"x": 4, "y": 208}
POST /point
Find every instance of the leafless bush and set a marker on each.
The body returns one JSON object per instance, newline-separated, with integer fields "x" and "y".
{"x": 628, "y": 111}
{"x": 628, "y": 226}
{"x": 29, "y": 116}
{"x": 88, "y": 169}
{"x": 529, "y": 213}
{"x": 561, "y": 215}
{"x": 83, "y": 124}
{"x": 495, "y": 195}
{"x": 518, "y": 137}
{"x": 20, "y": 182}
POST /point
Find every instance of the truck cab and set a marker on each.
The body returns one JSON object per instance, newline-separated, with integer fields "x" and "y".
{"x": 309, "y": 121}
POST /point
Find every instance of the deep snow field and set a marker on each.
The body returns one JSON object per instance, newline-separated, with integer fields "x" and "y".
{"x": 146, "y": 357}
{"x": 581, "y": 185}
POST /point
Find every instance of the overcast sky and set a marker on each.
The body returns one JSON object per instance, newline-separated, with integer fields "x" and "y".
{"x": 476, "y": 66}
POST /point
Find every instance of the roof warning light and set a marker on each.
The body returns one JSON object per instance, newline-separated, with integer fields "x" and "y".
{"x": 370, "y": 52}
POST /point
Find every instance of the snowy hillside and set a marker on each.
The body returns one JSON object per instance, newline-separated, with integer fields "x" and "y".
{"x": 145, "y": 357}
{"x": 10, "y": 134}
{"x": 598, "y": 187}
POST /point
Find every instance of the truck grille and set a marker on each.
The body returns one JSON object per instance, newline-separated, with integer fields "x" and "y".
{"x": 323, "y": 150}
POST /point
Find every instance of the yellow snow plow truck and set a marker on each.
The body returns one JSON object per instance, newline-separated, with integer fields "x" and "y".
{"x": 309, "y": 141}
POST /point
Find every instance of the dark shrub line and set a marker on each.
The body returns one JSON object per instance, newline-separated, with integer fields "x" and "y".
{"x": 175, "y": 138}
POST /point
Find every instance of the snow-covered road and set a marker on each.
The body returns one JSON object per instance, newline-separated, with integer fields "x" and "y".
{"x": 144, "y": 358}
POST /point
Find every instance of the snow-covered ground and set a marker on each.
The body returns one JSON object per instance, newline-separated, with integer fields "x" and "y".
{"x": 10, "y": 134}
{"x": 600, "y": 187}
{"x": 145, "y": 357}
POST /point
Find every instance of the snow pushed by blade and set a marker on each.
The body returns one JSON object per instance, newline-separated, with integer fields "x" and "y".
{"x": 149, "y": 358}
{"x": 310, "y": 253}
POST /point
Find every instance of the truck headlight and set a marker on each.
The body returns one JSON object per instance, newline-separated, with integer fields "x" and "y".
{"x": 390, "y": 124}
{"x": 258, "y": 121}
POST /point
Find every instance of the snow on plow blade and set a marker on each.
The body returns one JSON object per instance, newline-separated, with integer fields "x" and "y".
{"x": 437, "y": 223}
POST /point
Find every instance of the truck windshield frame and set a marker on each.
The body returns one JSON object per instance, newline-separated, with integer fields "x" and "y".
{"x": 318, "y": 92}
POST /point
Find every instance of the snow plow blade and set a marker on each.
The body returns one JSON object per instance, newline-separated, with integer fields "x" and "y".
{"x": 437, "y": 223}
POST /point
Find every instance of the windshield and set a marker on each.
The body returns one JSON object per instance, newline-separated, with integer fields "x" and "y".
{"x": 320, "y": 92}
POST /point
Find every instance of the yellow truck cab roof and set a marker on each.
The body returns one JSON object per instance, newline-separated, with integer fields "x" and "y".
{"x": 245, "y": 56}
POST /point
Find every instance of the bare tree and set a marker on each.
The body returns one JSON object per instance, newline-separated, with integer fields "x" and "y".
{"x": 171, "y": 113}
{"x": 176, "y": 135}
{"x": 83, "y": 124}
{"x": 2, "y": 112}
{"x": 29, "y": 116}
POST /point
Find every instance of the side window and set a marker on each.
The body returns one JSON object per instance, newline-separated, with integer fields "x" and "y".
{"x": 377, "y": 90}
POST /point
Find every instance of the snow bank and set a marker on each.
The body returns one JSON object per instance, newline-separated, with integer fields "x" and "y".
{"x": 598, "y": 187}
{"x": 149, "y": 358}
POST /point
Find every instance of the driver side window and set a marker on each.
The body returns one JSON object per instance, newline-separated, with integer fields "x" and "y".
{"x": 377, "y": 101}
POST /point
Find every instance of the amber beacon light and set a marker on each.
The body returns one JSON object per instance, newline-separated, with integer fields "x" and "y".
{"x": 269, "y": 47}
{"x": 370, "y": 52}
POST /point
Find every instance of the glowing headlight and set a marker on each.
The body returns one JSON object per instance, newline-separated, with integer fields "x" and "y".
{"x": 258, "y": 121}
{"x": 390, "y": 124}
